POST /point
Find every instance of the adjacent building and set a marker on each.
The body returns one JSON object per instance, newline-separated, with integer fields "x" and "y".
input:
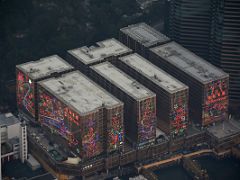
{"x": 172, "y": 95}
{"x": 189, "y": 23}
{"x": 140, "y": 37}
{"x": 209, "y": 28}
{"x": 13, "y": 138}
{"x": 28, "y": 74}
{"x": 139, "y": 102}
{"x": 107, "y": 50}
{"x": 208, "y": 85}
{"x": 89, "y": 118}
{"x": 225, "y": 44}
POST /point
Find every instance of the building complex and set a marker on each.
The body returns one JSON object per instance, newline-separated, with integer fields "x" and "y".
{"x": 122, "y": 107}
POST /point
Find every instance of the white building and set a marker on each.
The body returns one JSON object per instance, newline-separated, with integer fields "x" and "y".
{"x": 13, "y": 138}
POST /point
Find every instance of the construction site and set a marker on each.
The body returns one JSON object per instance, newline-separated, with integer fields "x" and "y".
{"x": 122, "y": 110}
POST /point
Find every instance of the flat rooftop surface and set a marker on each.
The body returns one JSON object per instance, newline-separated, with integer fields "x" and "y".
{"x": 189, "y": 62}
{"x": 31, "y": 160}
{"x": 79, "y": 92}
{"x": 8, "y": 119}
{"x": 153, "y": 73}
{"x": 225, "y": 129}
{"x": 122, "y": 80}
{"x": 44, "y": 67}
{"x": 145, "y": 34}
{"x": 104, "y": 49}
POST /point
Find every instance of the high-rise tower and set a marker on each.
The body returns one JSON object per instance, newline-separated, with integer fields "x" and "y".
{"x": 211, "y": 29}
{"x": 188, "y": 22}
{"x": 225, "y": 42}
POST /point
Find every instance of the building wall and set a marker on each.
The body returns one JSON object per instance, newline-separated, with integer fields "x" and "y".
{"x": 171, "y": 109}
{"x": 215, "y": 106}
{"x": 139, "y": 115}
{"x": 211, "y": 29}
{"x": 13, "y": 130}
{"x": 198, "y": 93}
{"x": 4, "y": 134}
{"x": 25, "y": 93}
{"x": 82, "y": 132}
{"x": 114, "y": 128}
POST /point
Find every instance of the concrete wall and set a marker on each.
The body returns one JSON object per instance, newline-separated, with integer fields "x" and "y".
{"x": 13, "y": 130}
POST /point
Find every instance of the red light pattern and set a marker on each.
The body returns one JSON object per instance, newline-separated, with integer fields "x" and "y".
{"x": 147, "y": 122}
{"x": 53, "y": 114}
{"x": 91, "y": 140}
{"x": 115, "y": 134}
{"x": 215, "y": 101}
{"x": 25, "y": 93}
{"x": 179, "y": 118}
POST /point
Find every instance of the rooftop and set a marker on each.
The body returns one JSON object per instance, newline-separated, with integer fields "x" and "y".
{"x": 79, "y": 92}
{"x": 104, "y": 49}
{"x": 32, "y": 161}
{"x": 8, "y": 119}
{"x": 189, "y": 62}
{"x": 44, "y": 67}
{"x": 153, "y": 73}
{"x": 122, "y": 80}
{"x": 145, "y": 34}
{"x": 225, "y": 129}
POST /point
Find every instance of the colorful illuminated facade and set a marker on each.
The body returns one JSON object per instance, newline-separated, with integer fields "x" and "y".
{"x": 80, "y": 132}
{"x": 216, "y": 101}
{"x": 29, "y": 74}
{"x": 25, "y": 93}
{"x": 58, "y": 117}
{"x": 147, "y": 122}
{"x": 139, "y": 102}
{"x": 172, "y": 95}
{"x": 91, "y": 142}
{"x": 88, "y": 117}
{"x": 179, "y": 117}
{"x": 115, "y": 132}
{"x": 208, "y": 85}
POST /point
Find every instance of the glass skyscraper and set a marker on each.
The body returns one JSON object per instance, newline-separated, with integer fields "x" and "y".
{"x": 211, "y": 29}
